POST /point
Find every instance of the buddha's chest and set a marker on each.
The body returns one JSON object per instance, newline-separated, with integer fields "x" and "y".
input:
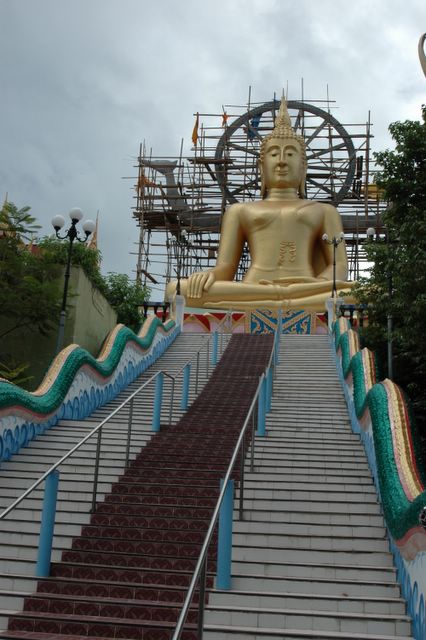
{"x": 283, "y": 223}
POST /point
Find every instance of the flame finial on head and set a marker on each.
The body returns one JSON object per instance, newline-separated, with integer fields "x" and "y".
{"x": 282, "y": 127}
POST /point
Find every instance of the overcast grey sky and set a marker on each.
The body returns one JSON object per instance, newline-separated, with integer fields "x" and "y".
{"x": 83, "y": 82}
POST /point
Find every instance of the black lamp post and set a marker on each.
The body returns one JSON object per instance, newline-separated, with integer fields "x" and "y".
{"x": 335, "y": 242}
{"x": 72, "y": 234}
{"x": 371, "y": 232}
{"x": 179, "y": 246}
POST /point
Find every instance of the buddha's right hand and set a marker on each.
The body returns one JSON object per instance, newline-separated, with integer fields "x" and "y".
{"x": 199, "y": 282}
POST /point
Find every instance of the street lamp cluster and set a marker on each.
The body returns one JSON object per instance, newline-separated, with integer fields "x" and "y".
{"x": 335, "y": 241}
{"x": 71, "y": 234}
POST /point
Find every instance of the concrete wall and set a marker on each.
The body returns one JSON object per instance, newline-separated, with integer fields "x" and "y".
{"x": 89, "y": 320}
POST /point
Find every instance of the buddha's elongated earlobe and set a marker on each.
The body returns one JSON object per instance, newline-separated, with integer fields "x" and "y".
{"x": 262, "y": 181}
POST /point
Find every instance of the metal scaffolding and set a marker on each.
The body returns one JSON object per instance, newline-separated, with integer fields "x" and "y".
{"x": 180, "y": 201}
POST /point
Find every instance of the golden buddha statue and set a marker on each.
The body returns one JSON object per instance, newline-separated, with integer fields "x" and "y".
{"x": 291, "y": 264}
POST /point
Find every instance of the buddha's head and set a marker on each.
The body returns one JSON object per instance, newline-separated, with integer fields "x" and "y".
{"x": 281, "y": 140}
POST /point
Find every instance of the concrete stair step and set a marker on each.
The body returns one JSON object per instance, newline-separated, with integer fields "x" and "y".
{"x": 312, "y": 508}
{"x": 19, "y": 517}
{"x": 308, "y": 455}
{"x": 67, "y": 482}
{"x": 308, "y": 620}
{"x": 218, "y": 632}
{"x": 341, "y": 586}
{"x": 299, "y": 441}
{"x": 312, "y": 496}
{"x": 360, "y": 535}
{"x": 275, "y": 556}
{"x": 318, "y": 483}
{"x": 24, "y": 566}
{"x": 317, "y": 601}
{"x": 304, "y": 478}
{"x": 271, "y": 466}
{"x": 289, "y": 516}
{"x": 314, "y": 569}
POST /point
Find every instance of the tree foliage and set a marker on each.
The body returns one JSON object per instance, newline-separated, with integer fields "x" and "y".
{"x": 399, "y": 260}
{"x": 31, "y": 285}
{"x": 126, "y": 296}
{"x": 88, "y": 258}
{"x": 123, "y": 294}
{"x": 29, "y": 292}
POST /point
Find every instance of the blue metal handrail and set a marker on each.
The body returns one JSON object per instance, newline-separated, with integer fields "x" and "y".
{"x": 51, "y": 475}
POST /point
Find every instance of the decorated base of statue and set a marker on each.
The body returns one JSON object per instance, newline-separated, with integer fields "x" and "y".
{"x": 294, "y": 321}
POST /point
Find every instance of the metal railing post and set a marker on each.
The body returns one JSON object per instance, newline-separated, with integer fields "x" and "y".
{"x": 158, "y": 400}
{"x": 278, "y": 336}
{"x": 202, "y": 599}
{"x": 96, "y": 470}
{"x": 185, "y": 387}
{"x": 268, "y": 389}
{"x": 197, "y": 371}
{"x": 241, "y": 500}
{"x": 208, "y": 360}
{"x": 261, "y": 430}
{"x": 224, "y": 545}
{"x": 172, "y": 398}
{"x": 47, "y": 525}
{"x": 215, "y": 348}
{"x": 129, "y": 432}
{"x": 253, "y": 432}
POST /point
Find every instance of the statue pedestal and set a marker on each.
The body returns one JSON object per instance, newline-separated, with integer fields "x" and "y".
{"x": 179, "y": 304}
{"x": 332, "y": 305}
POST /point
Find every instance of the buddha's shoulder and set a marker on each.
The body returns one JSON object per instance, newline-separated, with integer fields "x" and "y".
{"x": 243, "y": 208}
{"x": 320, "y": 207}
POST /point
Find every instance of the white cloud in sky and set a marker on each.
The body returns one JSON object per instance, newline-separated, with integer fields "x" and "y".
{"x": 83, "y": 82}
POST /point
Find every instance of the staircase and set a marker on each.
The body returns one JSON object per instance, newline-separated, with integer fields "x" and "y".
{"x": 310, "y": 559}
{"x": 127, "y": 574}
{"x": 19, "y": 532}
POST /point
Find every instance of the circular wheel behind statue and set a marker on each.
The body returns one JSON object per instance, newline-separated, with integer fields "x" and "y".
{"x": 329, "y": 149}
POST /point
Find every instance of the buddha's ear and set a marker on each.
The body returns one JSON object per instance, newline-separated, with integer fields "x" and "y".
{"x": 262, "y": 183}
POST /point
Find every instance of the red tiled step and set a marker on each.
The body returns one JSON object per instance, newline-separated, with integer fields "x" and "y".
{"x": 109, "y": 513}
{"x": 156, "y": 559}
{"x": 124, "y": 526}
{"x": 106, "y": 627}
{"x": 136, "y": 575}
{"x": 101, "y": 607}
{"x": 139, "y": 547}
{"x": 160, "y": 533}
{"x": 132, "y": 501}
{"x": 149, "y": 635}
{"x": 114, "y": 590}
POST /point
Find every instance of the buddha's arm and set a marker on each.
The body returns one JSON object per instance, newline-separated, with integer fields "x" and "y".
{"x": 332, "y": 226}
{"x": 229, "y": 254}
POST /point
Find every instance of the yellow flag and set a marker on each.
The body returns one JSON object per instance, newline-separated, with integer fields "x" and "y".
{"x": 195, "y": 130}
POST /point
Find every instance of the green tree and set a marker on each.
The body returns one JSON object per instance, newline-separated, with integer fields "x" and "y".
{"x": 29, "y": 292}
{"x": 400, "y": 261}
{"x": 126, "y": 296}
{"x": 88, "y": 258}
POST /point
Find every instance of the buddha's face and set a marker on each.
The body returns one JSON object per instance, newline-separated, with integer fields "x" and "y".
{"x": 282, "y": 164}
